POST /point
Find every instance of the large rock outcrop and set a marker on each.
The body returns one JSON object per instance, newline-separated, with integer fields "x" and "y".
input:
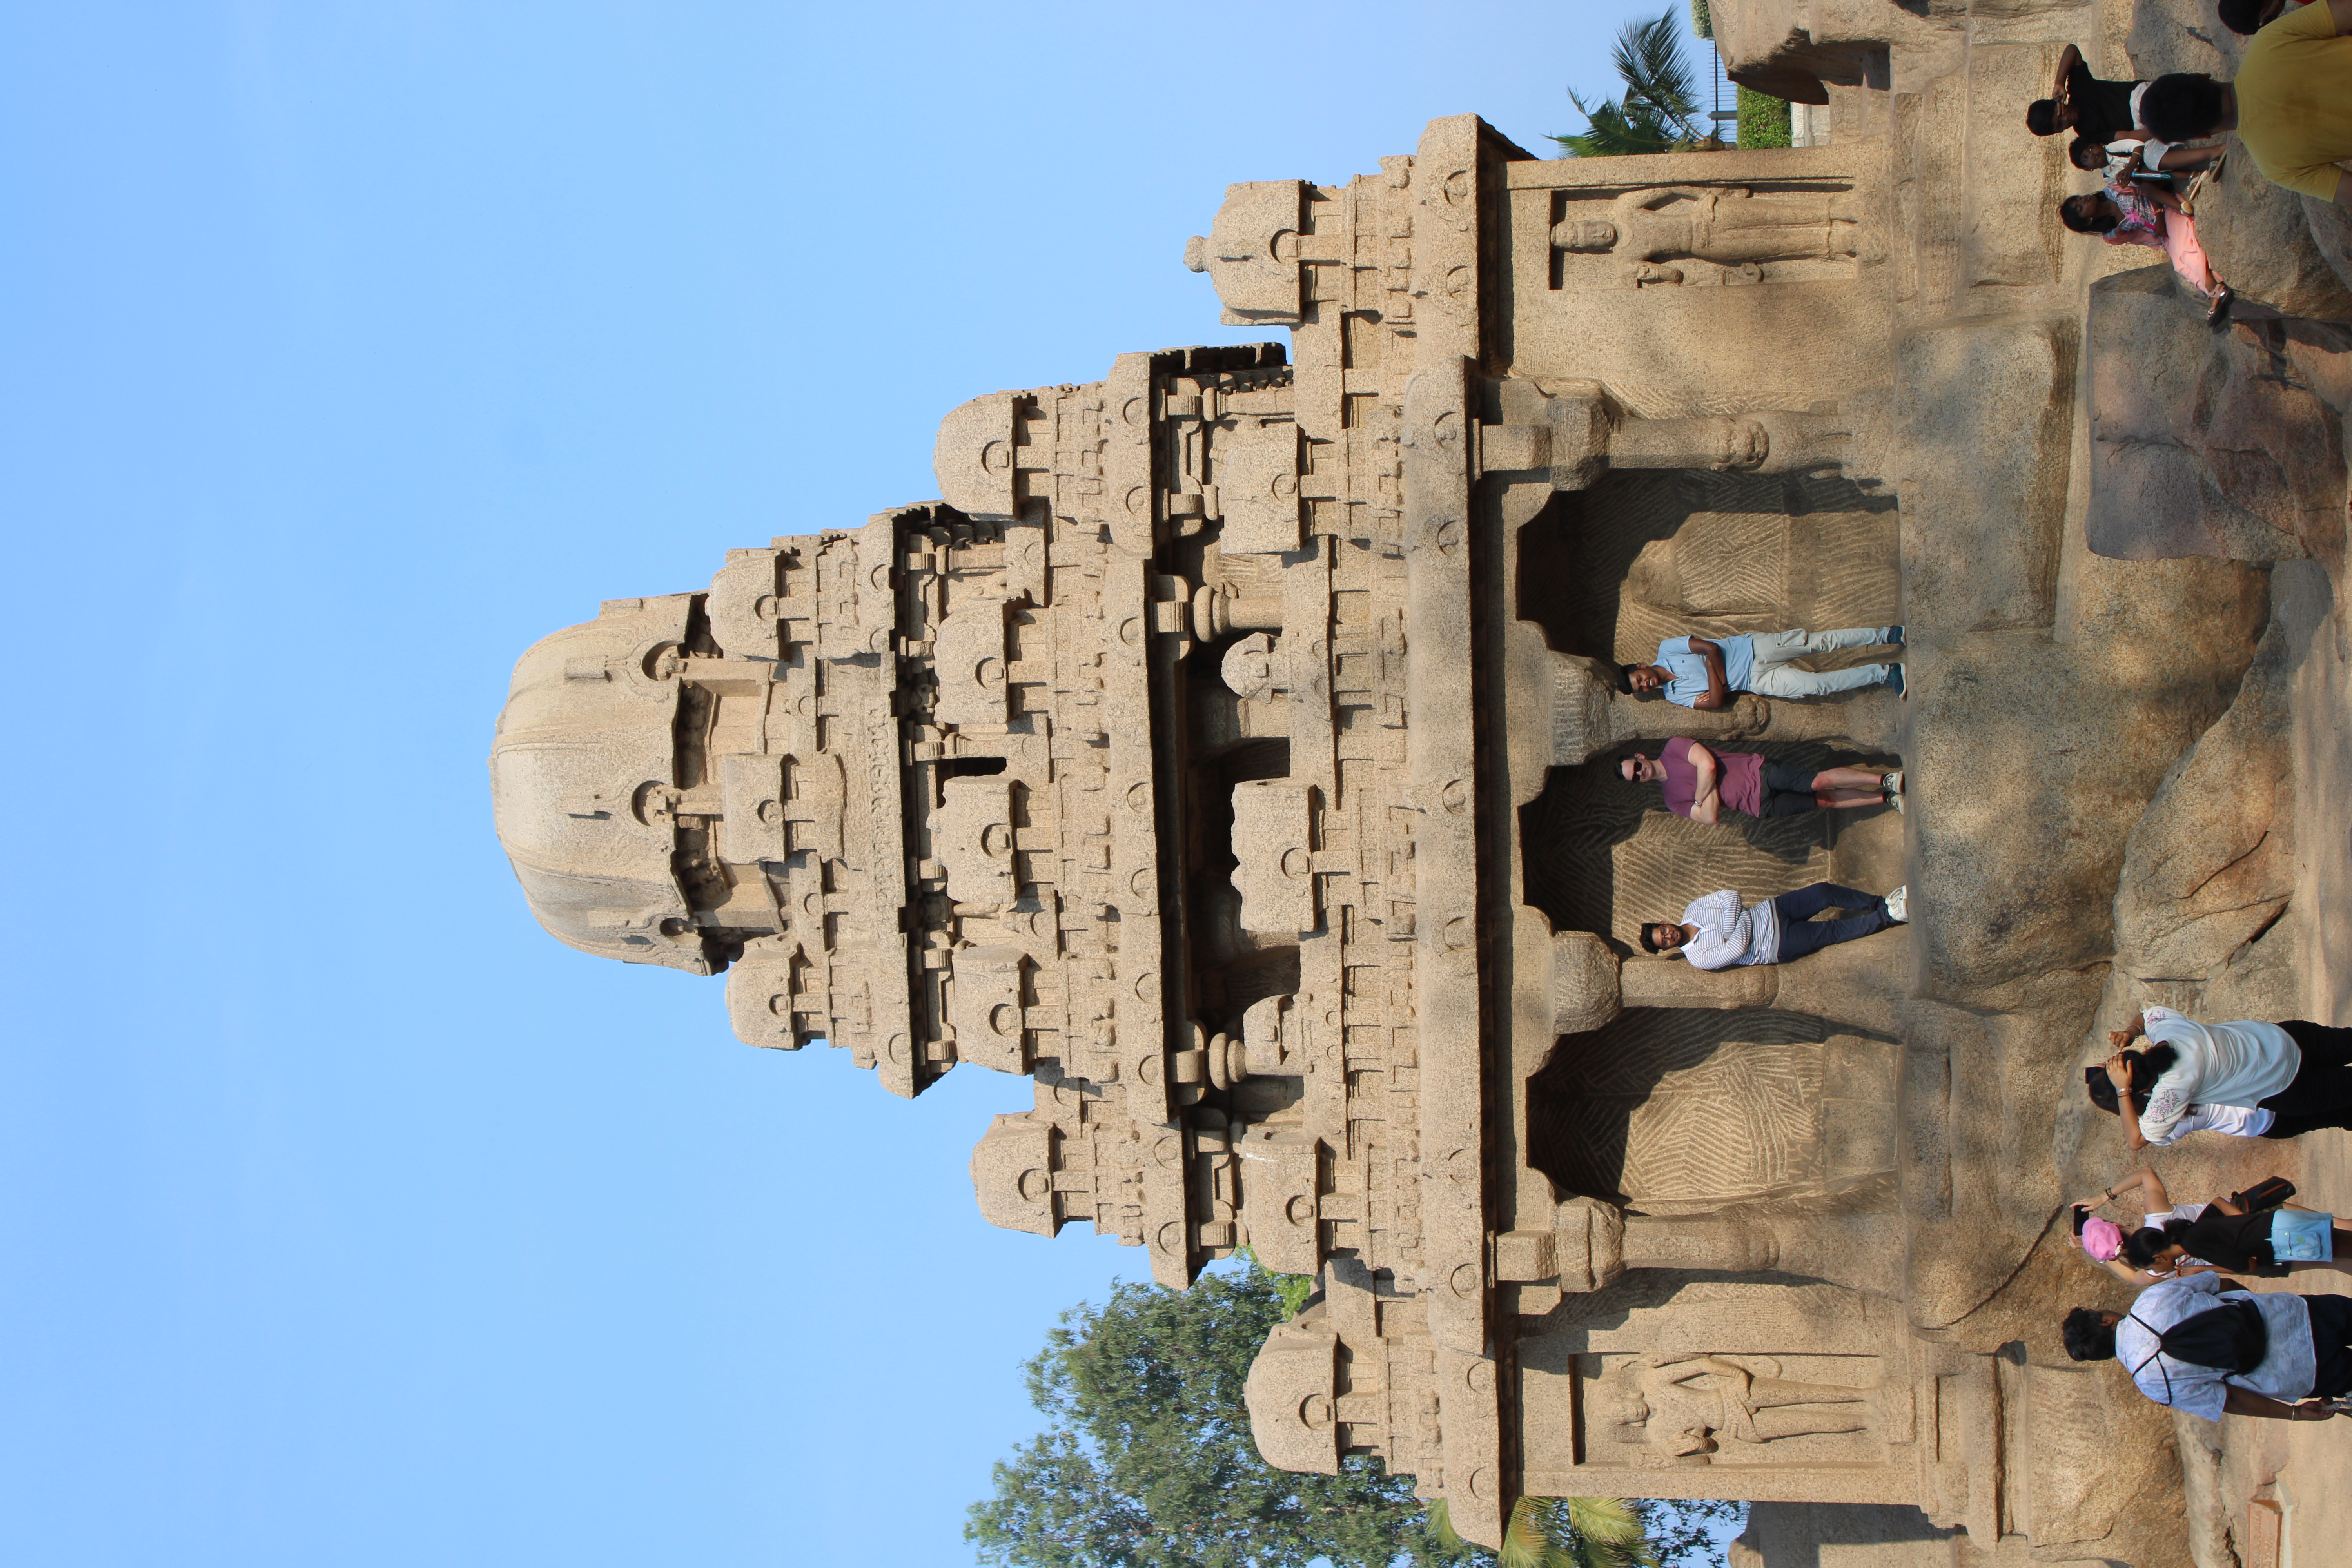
{"x": 2203, "y": 444}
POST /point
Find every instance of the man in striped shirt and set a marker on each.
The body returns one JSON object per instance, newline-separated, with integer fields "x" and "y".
{"x": 1717, "y": 931}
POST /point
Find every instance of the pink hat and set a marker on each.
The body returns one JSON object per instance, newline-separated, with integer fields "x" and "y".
{"x": 2103, "y": 1238}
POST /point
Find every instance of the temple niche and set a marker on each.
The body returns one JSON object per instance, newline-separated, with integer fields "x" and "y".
{"x": 1232, "y": 750}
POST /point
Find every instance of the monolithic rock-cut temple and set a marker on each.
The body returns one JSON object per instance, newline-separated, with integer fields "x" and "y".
{"x": 1232, "y": 749}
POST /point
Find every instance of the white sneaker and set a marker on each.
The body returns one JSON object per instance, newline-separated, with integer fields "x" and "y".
{"x": 1897, "y": 902}
{"x": 1892, "y": 782}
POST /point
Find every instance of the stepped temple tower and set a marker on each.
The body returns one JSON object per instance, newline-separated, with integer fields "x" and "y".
{"x": 1232, "y": 749}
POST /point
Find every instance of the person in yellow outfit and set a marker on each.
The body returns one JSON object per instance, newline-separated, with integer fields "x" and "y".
{"x": 2291, "y": 102}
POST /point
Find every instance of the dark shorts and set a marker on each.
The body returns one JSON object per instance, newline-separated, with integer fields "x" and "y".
{"x": 1788, "y": 789}
{"x": 2331, "y": 1344}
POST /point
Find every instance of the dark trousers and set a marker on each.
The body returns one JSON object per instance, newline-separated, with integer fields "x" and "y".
{"x": 2321, "y": 1094}
{"x": 1801, "y": 934}
{"x": 2331, "y": 1344}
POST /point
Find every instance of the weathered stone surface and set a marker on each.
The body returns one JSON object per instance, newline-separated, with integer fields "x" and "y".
{"x": 2261, "y": 242}
{"x": 2038, "y": 789}
{"x": 2212, "y": 862}
{"x": 2199, "y": 446}
{"x": 2331, "y": 235}
{"x": 1985, "y": 408}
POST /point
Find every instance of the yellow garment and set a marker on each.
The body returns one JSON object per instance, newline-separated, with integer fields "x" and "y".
{"x": 2294, "y": 101}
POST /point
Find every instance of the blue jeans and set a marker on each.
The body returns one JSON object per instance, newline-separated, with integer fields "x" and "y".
{"x": 1801, "y": 934}
{"x": 1773, "y": 675}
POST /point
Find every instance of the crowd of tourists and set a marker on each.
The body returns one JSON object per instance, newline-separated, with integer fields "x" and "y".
{"x": 2290, "y": 106}
{"x": 2194, "y": 1337}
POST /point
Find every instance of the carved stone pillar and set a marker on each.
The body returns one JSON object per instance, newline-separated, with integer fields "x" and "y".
{"x": 1585, "y": 989}
{"x": 1592, "y": 1244}
{"x": 1589, "y": 716}
{"x": 1579, "y": 436}
{"x": 1769, "y": 442}
{"x": 1861, "y": 984}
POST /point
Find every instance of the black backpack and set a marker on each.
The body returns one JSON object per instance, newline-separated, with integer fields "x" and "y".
{"x": 2231, "y": 1338}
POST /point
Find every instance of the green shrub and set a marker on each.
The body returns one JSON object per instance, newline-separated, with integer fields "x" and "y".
{"x": 1702, "y": 20}
{"x": 1763, "y": 120}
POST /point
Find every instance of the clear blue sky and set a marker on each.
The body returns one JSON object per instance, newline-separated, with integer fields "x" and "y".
{"x": 345, "y": 1218}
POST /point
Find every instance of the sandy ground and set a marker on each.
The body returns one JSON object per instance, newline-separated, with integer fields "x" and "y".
{"x": 2305, "y": 1468}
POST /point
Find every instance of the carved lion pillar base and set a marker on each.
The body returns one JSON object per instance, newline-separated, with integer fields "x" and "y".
{"x": 1590, "y": 716}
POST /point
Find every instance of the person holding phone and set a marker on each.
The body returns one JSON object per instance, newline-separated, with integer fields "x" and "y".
{"x": 2299, "y": 1071}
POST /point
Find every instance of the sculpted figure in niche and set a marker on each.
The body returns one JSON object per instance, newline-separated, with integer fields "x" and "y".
{"x": 1688, "y": 1404}
{"x": 1727, "y": 225}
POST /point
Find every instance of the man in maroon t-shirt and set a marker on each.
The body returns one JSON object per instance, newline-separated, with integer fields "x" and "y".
{"x": 1702, "y": 784}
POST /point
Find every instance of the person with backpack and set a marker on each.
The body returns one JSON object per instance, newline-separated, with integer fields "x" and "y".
{"x": 2286, "y": 1240}
{"x": 2102, "y": 1241}
{"x": 2210, "y": 1348}
{"x": 2300, "y": 1072}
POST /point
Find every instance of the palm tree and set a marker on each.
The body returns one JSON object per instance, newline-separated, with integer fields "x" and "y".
{"x": 1659, "y": 113}
{"x": 1563, "y": 1532}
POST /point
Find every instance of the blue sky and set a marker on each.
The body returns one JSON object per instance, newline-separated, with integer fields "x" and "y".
{"x": 346, "y": 1217}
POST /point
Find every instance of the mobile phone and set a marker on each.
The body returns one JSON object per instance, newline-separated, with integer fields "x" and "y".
{"x": 2081, "y": 1214}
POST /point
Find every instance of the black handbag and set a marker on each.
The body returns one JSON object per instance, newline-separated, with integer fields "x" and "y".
{"x": 2266, "y": 1194}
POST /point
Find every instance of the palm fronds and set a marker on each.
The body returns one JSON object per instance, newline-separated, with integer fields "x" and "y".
{"x": 1562, "y": 1532}
{"x": 1576, "y": 1532}
{"x": 1659, "y": 111}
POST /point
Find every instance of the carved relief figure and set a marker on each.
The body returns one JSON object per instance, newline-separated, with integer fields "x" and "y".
{"x": 1729, "y": 225}
{"x": 1687, "y": 1403}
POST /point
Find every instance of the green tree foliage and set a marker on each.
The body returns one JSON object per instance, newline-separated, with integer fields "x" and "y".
{"x": 1763, "y": 120}
{"x": 1683, "y": 1532}
{"x": 1659, "y": 111}
{"x": 1147, "y": 1459}
{"x": 1147, "y": 1462}
{"x": 1702, "y": 20}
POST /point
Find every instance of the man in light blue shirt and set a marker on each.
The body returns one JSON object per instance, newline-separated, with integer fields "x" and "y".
{"x": 1702, "y": 672}
{"x": 2296, "y": 1349}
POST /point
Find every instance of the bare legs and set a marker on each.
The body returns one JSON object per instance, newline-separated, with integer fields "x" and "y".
{"x": 1843, "y": 789}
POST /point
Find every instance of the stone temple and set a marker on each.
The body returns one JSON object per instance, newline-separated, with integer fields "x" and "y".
{"x": 1232, "y": 750}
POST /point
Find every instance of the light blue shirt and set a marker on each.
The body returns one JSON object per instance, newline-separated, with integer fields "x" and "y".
{"x": 2287, "y": 1370}
{"x": 1687, "y": 670}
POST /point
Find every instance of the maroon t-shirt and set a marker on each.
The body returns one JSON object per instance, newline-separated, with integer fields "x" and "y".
{"x": 1739, "y": 778}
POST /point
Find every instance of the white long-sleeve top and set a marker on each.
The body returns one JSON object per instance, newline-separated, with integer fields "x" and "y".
{"x": 2238, "y": 1063}
{"x": 2237, "y": 1120}
{"x": 1729, "y": 934}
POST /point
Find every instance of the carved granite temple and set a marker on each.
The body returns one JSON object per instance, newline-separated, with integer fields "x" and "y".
{"x": 1232, "y": 750}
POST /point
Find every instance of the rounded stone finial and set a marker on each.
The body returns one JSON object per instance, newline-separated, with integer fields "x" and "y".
{"x": 1248, "y": 667}
{"x": 1584, "y": 987}
{"x": 1196, "y": 254}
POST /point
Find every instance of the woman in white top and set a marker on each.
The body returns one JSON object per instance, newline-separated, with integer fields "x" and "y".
{"x": 2300, "y": 1072}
